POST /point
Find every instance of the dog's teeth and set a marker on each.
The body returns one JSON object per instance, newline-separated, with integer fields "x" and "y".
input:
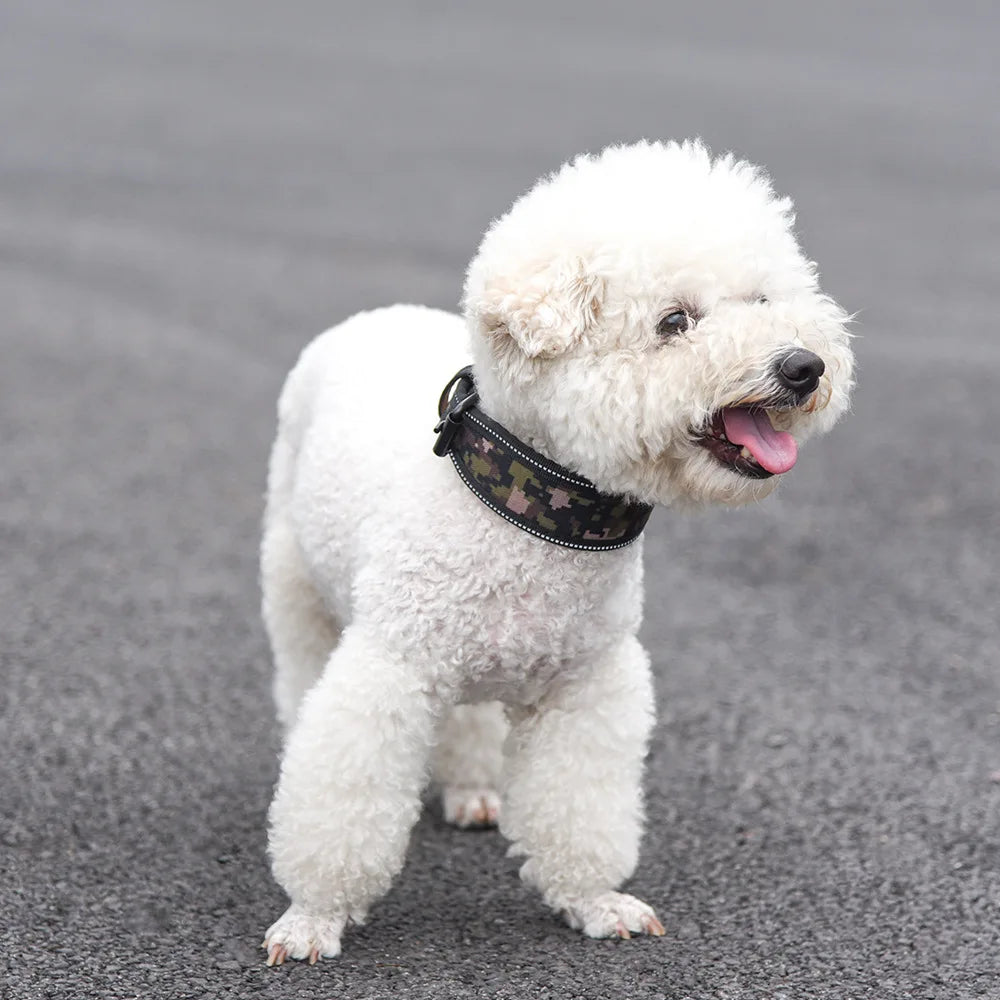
{"x": 745, "y": 452}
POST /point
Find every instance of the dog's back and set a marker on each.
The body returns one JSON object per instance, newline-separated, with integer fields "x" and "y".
{"x": 355, "y": 414}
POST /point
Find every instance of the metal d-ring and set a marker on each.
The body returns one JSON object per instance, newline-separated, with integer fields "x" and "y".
{"x": 450, "y": 410}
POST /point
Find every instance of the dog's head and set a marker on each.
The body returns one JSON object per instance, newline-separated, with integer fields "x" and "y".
{"x": 646, "y": 318}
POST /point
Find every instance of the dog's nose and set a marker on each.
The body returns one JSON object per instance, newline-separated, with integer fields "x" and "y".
{"x": 800, "y": 370}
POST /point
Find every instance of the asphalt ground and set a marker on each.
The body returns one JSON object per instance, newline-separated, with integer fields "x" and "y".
{"x": 189, "y": 192}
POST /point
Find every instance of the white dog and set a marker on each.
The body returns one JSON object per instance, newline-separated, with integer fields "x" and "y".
{"x": 643, "y": 320}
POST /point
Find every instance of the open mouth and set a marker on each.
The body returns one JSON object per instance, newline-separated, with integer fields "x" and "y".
{"x": 743, "y": 439}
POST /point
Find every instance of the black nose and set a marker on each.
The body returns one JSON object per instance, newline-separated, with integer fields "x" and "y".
{"x": 800, "y": 371}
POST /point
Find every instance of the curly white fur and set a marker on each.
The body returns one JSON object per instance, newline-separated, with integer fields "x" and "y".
{"x": 406, "y": 618}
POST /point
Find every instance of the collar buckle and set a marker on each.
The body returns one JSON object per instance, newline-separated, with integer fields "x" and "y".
{"x": 452, "y": 407}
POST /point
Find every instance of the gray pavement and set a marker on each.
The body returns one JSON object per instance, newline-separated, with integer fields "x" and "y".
{"x": 189, "y": 192}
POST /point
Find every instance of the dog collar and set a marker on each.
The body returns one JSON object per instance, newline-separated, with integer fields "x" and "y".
{"x": 522, "y": 486}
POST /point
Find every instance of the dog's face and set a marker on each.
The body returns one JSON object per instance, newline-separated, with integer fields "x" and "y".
{"x": 647, "y": 318}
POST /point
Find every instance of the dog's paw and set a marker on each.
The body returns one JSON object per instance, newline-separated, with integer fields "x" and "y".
{"x": 611, "y": 914}
{"x": 471, "y": 807}
{"x": 298, "y": 935}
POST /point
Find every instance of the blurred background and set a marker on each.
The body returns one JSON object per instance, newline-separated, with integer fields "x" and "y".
{"x": 190, "y": 191}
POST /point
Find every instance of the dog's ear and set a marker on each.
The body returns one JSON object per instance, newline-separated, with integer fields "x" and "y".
{"x": 544, "y": 313}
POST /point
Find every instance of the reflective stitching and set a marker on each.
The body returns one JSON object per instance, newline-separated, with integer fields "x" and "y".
{"x": 531, "y": 461}
{"x": 460, "y": 469}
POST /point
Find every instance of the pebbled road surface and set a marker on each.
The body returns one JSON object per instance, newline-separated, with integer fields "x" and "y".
{"x": 189, "y": 192}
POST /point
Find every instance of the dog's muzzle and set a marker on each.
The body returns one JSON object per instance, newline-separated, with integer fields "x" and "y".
{"x": 743, "y": 438}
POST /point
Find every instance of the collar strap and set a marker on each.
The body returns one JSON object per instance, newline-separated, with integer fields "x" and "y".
{"x": 524, "y": 487}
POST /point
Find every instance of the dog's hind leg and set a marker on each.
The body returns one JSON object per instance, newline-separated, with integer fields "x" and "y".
{"x": 467, "y": 763}
{"x": 573, "y": 797}
{"x": 301, "y": 630}
{"x": 354, "y": 765}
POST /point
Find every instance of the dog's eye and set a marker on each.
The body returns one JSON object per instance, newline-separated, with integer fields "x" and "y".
{"x": 762, "y": 300}
{"x": 673, "y": 324}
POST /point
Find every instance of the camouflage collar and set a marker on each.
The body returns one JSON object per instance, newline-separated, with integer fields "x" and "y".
{"x": 524, "y": 487}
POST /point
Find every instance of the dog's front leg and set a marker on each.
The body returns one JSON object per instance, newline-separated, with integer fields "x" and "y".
{"x": 573, "y": 796}
{"x": 349, "y": 793}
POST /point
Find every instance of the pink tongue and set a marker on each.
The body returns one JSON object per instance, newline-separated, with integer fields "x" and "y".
{"x": 775, "y": 450}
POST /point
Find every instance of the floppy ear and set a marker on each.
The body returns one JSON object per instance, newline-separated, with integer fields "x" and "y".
{"x": 545, "y": 313}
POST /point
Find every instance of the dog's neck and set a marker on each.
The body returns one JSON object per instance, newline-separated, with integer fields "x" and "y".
{"x": 518, "y": 424}
{"x": 523, "y": 485}
{"x": 516, "y": 415}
